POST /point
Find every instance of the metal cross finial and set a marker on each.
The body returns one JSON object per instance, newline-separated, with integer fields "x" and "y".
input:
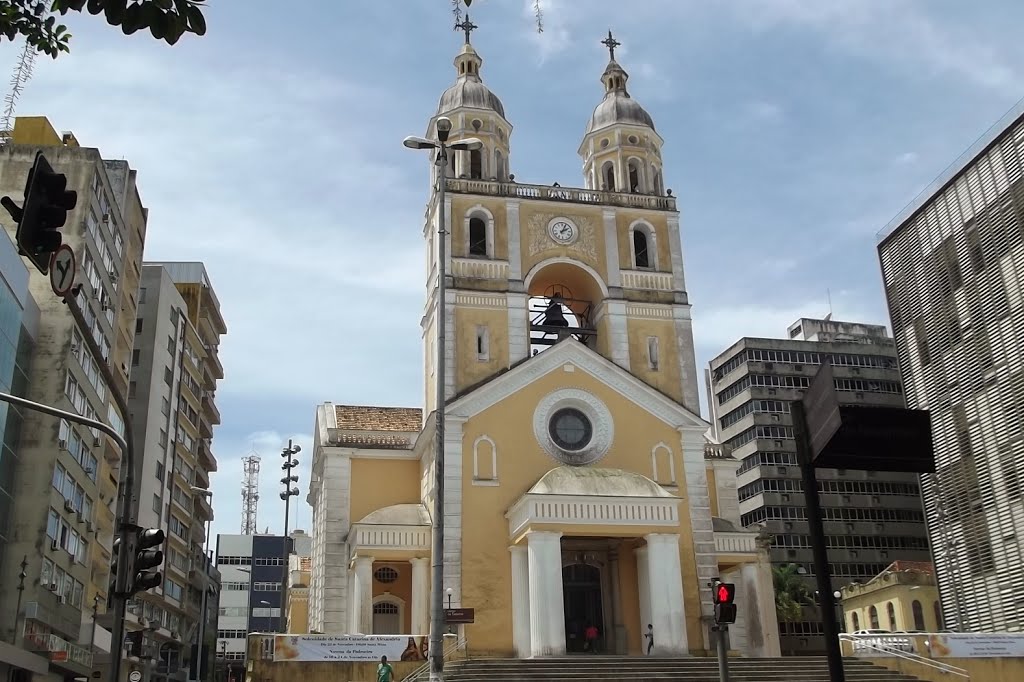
{"x": 466, "y": 26}
{"x": 611, "y": 43}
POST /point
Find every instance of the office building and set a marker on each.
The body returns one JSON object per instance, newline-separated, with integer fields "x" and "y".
{"x": 62, "y": 514}
{"x": 19, "y": 329}
{"x": 952, "y": 264}
{"x": 871, "y": 518}
{"x": 174, "y": 374}
{"x": 253, "y": 570}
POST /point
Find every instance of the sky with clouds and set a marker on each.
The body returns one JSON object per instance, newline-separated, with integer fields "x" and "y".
{"x": 271, "y": 150}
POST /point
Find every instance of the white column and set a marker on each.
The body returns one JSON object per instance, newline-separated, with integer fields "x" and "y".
{"x": 665, "y": 579}
{"x": 618, "y": 332}
{"x": 644, "y": 593}
{"x": 515, "y": 257}
{"x": 520, "y": 600}
{"x": 547, "y": 613}
{"x": 611, "y": 246}
{"x": 420, "y": 596}
{"x": 518, "y": 327}
{"x": 364, "y": 595}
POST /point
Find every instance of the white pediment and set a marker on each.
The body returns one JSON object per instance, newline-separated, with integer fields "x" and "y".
{"x": 572, "y": 352}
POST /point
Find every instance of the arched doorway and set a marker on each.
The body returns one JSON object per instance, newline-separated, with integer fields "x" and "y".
{"x": 583, "y": 604}
{"x": 387, "y": 618}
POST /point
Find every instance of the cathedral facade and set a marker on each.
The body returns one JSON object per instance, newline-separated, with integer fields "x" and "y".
{"x": 581, "y": 487}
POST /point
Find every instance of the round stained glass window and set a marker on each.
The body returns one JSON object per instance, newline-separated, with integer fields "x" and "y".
{"x": 570, "y": 429}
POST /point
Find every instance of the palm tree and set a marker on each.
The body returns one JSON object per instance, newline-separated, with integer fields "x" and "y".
{"x": 791, "y": 593}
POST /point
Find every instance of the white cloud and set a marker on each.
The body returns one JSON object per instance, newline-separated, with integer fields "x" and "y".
{"x": 763, "y": 110}
{"x": 899, "y": 33}
{"x": 555, "y": 36}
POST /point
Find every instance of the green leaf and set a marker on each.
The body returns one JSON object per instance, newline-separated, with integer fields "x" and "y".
{"x": 95, "y": 6}
{"x": 164, "y": 4}
{"x": 115, "y": 11}
{"x": 132, "y": 20}
{"x": 158, "y": 25}
{"x": 196, "y": 20}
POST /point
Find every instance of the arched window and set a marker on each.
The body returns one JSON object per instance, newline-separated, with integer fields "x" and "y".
{"x": 608, "y": 175}
{"x": 918, "y": 615}
{"x": 634, "y": 176}
{"x": 855, "y": 621}
{"x": 641, "y": 254}
{"x": 477, "y": 236}
{"x": 891, "y": 612}
{"x": 873, "y": 618}
{"x": 939, "y": 625}
{"x": 485, "y": 462}
{"x": 476, "y": 164}
{"x": 658, "y": 188}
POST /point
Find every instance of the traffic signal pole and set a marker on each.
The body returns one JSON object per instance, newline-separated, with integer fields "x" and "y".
{"x": 723, "y": 654}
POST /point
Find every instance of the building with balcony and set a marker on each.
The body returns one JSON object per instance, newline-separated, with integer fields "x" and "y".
{"x": 871, "y": 518}
{"x": 62, "y": 513}
{"x": 952, "y": 262}
{"x": 170, "y": 391}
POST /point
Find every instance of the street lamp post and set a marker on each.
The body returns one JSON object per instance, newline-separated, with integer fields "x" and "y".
{"x": 444, "y": 128}
{"x": 205, "y": 606}
{"x": 289, "y": 492}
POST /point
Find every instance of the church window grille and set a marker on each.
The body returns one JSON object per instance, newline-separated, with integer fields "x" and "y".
{"x": 385, "y": 608}
{"x": 635, "y": 181}
{"x": 386, "y": 575}
{"x": 477, "y": 237}
{"x": 641, "y": 256}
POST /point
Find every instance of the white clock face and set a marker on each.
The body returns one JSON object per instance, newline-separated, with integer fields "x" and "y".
{"x": 563, "y": 232}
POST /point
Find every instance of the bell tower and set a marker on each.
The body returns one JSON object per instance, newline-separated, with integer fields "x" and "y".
{"x": 532, "y": 265}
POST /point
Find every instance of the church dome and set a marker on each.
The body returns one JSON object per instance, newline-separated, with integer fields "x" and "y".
{"x": 618, "y": 107}
{"x": 569, "y": 480}
{"x": 469, "y": 90}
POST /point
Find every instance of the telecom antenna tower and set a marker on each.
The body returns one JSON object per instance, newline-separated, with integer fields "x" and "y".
{"x": 250, "y": 492}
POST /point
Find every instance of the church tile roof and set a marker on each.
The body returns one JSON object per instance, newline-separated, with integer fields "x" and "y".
{"x": 369, "y": 418}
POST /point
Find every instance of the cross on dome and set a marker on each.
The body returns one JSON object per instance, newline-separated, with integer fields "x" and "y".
{"x": 609, "y": 42}
{"x": 466, "y": 26}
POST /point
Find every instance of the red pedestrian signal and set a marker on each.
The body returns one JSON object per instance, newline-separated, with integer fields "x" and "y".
{"x": 725, "y": 593}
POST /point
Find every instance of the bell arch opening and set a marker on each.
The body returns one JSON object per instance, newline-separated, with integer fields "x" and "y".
{"x": 561, "y": 302}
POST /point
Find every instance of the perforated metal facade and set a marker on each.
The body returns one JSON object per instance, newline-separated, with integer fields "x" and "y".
{"x": 953, "y": 268}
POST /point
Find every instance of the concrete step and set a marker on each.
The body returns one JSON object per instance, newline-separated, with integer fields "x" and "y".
{"x": 621, "y": 668}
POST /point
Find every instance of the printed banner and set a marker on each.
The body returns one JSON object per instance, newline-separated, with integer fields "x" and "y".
{"x": 989, "y": 645}
{"x": 349, "y": 648}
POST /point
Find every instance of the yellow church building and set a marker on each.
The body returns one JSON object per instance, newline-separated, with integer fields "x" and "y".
{"x": 581, "y": 487}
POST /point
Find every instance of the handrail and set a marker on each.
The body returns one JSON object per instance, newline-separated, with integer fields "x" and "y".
{"x": 415, "y": 674}
{"x": 866, "y": 641}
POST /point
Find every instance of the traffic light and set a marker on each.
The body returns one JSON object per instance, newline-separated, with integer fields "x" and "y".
{"x": 45, "y": 210}
{"x": 147, "y": 558}
{"x": 725, "y": 608}
{"x": 112, "y": 585}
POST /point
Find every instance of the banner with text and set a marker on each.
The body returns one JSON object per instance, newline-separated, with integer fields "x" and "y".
{"x": 352, "y": 648}
{"x": 989, "y": 645}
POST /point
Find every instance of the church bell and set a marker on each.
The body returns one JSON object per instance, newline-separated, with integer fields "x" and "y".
{"x": 553, "y": 316}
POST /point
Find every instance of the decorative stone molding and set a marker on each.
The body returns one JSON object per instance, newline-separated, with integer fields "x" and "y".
{"x": 736, "y": 543}
{"x": 644, "y": 279}
{"x": 586, "y": 360}
{"x": 367, "y": 537}
{"x": 583, "y": 510}
{"x": 540, "y": 241}
{"x": 480, "y": 299}
{"x": 600, "y": 417}
{"x": 479, "y": 268}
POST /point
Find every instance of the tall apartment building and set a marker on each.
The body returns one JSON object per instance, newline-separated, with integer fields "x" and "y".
{"x": 871, "y": 519}
{"x": 19, "y": 328}
{"x": 252, "y": 569}
{"x": 953, "y": 264}
{"x": 66, "y": 484}
{"x": 174, "y": 374}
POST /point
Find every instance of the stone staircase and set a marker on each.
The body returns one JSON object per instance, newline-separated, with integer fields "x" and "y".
{"x": 621, "y": 669}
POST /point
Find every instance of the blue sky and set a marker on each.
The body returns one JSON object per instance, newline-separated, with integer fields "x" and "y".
{"x": 271, "y": 150}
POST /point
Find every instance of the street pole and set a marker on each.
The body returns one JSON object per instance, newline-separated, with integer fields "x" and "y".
{"x": 723, "y": 654}
{"x": 816, "y": 531}
{"x": 21, "y": 592}
{"x": 289, "y": 463}
{"x": 436, "y": 650}
{"x": 204, "y": 608}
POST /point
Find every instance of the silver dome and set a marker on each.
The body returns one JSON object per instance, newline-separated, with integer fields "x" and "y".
{"x": 618, "y": 107}
{"x": 472, "y": 94}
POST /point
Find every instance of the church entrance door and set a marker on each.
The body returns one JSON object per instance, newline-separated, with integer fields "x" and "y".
{"x": 583, "y": 604}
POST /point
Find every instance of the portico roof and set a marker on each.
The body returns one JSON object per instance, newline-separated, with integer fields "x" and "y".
{"x": 597, "y": 482}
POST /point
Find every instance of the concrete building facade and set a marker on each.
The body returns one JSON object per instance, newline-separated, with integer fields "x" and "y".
{"x": 19, "y": 327}
{"x": 174, "y": 373}
{"x": 63, "y": 513}
{"x": 871, "y": 519}
{"x": 953, "y": 265}
{"x": 252, "y": 569}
